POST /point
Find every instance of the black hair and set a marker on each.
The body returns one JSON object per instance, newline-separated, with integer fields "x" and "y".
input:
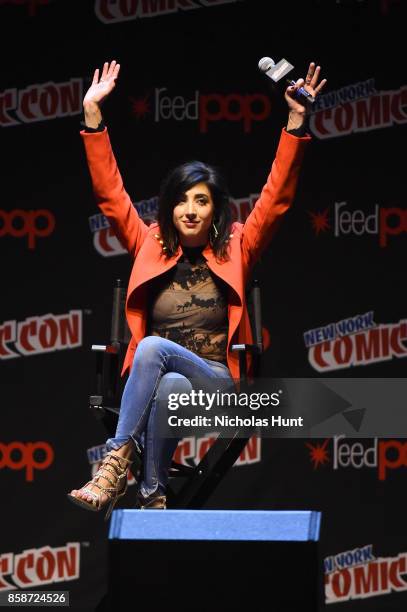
{"x": 175, "y": 185}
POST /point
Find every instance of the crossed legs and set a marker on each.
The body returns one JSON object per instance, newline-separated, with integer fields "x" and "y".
{"x": 160, "y": 367}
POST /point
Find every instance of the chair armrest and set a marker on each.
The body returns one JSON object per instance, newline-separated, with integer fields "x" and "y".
{"x": 253, "y": 348}
{"x": 107, "y": 348}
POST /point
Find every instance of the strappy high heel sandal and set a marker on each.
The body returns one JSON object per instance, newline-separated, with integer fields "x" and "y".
{"x": 117, "y": 466}
{"x": 152, "y": 502}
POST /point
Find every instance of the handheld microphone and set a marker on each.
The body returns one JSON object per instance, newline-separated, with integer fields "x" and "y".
{"x": 278, "y": 71}
{"x": 302, "y": 92}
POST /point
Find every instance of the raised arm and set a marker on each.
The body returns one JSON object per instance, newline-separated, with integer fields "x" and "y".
{"x": 278, "y": 193}
{"x": 110, "y": 194}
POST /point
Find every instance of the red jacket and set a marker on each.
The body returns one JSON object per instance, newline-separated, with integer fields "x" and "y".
{"x": 245, "y": 246}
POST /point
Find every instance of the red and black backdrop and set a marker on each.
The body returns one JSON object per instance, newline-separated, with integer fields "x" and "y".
{"x": 189, "y": 88}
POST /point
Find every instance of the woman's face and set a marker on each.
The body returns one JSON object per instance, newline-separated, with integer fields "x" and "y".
{"x": 192, "y": 216}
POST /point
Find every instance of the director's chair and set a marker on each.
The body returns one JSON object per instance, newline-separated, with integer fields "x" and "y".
{"x": 200, "y": 480}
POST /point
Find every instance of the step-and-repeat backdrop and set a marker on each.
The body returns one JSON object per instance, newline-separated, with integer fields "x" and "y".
{"x": 333, "y": 278}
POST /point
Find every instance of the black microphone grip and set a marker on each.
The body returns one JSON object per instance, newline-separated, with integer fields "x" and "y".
{"x": 302, "y": 92}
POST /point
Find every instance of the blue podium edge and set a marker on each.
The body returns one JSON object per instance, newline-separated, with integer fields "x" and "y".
{"x": 314, "y": 526}
{"x": 216, "y": 525}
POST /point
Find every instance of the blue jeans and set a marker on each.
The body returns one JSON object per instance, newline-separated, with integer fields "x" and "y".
{"x": 160, "y": 367}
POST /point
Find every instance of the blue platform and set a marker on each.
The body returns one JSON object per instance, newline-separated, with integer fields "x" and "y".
{"x": 215, "y": 525}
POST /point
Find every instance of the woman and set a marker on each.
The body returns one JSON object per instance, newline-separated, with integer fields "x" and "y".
{"x": 186, "y": 300}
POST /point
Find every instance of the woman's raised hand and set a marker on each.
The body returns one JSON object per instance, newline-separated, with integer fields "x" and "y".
{"x": 101, "y": 88}
{"x": 297, "y": 110}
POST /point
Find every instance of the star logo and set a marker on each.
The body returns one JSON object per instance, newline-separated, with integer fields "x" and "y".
{"x": 140, "y": 107}
{"x": 320, "y": 221}
{"x": 318, "y": 453}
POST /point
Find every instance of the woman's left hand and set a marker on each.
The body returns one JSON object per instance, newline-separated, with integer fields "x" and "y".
{"x": 297, "y": 110}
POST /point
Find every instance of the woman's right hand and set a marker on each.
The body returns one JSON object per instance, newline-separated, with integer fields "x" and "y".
{"x": 101, "y": 88}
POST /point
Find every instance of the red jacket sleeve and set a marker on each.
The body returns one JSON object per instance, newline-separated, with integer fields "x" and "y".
{"x": 276, "y": 197}
{"x": 111, "y": 197}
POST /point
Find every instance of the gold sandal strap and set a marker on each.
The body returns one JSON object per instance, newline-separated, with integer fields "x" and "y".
{"x": 109, "y": 480}
{"x": 119, "y": 459}
{"x": 159, "y": 501}
{"x": 95, "y": 498}
{"x": 111, "y": 492}
{"x": 89, "y": 492}
{"x": 108, "y": 468}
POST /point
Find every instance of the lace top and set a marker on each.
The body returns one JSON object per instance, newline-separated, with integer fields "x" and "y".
{"x": 188, "y": 305}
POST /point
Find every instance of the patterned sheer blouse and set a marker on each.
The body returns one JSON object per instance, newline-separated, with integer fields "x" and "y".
{"x": 188, "y": 305}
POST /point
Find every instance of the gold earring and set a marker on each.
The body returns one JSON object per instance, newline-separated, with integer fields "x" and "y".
{"x": 161, "y": 241}
{"x": 215, "y": 230}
